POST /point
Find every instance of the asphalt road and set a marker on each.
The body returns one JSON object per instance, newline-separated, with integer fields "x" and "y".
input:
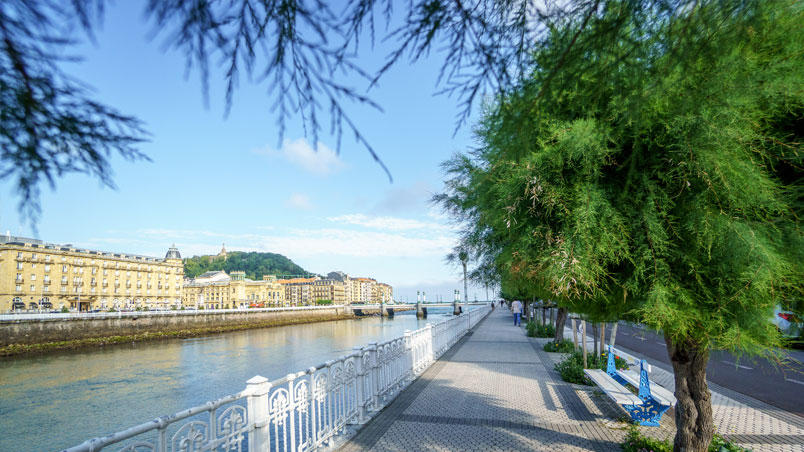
{"x": 782, "y": 387}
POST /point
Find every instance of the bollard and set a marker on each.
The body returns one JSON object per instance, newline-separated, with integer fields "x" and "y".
{"x": 257, "y": 403}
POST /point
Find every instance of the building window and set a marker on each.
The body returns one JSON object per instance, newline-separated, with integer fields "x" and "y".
{"x": 64, "y": 269}
{"x": 46, "y": 289}
{"x": 47, "y": 267}
{"x": 47, "y": 279}
{"x": 19, "y": 276}
{"x": 33, "y": 288}
{"x": 33, "y": 265}
{"x": 19, "y": 254}
{"x": 64, "y": 288}
{"x": 19, "y": 265}
{"x": 19, "y": 288}
{"x": 64, "y": 280}
{"x": 33, "y": 277}
{"x": 92, "y": 289}
{"x": 47, "y": 257}
{"x": 33, "y": 255}
{"x": 94, "y": 270}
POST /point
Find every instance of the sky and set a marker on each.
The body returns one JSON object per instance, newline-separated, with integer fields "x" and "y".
{"x": 215, "y": 179}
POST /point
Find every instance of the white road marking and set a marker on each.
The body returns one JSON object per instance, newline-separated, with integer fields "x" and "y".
{"x": 738, "y": 365}
{"x": 795, "y": 381}
{"x": 662, "y": 343}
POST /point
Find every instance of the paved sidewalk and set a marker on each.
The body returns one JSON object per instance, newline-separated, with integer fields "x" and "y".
{"x": 496, "y": 390}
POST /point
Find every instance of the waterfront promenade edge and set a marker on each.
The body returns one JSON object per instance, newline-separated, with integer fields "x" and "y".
{"x": 497, "y": 390}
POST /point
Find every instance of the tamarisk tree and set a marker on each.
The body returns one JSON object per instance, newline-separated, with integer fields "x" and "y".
{"x": 654, "y": 189}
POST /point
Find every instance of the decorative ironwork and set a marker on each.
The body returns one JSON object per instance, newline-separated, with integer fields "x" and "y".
{"x": 303, "y": 410}
{"x": 190, "y": 437}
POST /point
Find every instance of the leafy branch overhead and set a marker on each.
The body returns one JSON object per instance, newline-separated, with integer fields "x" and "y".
{"x": 305, "y": 52}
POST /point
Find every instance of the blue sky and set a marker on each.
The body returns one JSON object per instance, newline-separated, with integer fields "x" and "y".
{"x": 217, "y": 180}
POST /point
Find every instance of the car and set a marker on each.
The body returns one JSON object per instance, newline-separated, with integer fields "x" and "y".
{"x": 790, "y": 324}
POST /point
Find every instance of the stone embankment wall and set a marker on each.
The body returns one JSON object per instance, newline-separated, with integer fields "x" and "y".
{"x": 48, "y": 330}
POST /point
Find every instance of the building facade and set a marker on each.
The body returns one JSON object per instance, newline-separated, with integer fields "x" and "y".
{"x": 41, "y": 276}
{"x": 299, "y": 291}
{"x": 218, "y": 290}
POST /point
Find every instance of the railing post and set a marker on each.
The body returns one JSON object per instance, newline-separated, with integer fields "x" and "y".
{"x": 291, "y": 423}
{"x": 257, "y": 405}
{"x": 374, "y": 374}
{"x": 409, "y": 359}
{"x": 360, "y": 385}
{"x": 429, "y": 339}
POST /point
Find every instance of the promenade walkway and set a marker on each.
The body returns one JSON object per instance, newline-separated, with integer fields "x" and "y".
{"x": 496, "y": 390}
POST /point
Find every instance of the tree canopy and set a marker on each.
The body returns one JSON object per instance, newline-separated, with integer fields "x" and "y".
{"x": 255, "y": 264}
{"x": 305, "y": 52}
{"x": 653, "y": 188}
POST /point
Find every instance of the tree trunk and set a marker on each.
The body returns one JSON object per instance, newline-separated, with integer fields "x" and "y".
{"x": 613, "y": 334}
{"x": 694, "y": 423}
{"x": 595, "y": 337}
{"x": 561, "y": 319}
{"x": 465, "y": 290}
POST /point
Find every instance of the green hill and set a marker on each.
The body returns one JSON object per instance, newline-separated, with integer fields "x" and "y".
{"x": 254, "y": 264}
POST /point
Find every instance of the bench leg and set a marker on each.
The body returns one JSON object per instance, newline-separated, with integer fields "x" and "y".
{"x": 647, "y": 413}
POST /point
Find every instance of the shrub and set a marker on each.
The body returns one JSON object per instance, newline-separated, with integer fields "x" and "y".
{"x": 721, "y": 444}
{"x": 112, "y": 310}
{"x": 65, "y": 309}
{"x": 323, "y": 302}
{"x": 565, "y": 346}
{"x": 536, "y": 330}
{"x": 571, "y": 368}
{"x": 636, "y": 442}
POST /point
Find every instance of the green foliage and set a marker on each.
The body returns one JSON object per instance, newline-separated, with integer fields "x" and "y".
{"x": 658, "y": 191}
{"x": 565, "y": 346}
{"x": 323, "y": 302}
{"x": 635, "y": 441}
{"x": 65, "y": 309}
{"x": 722, "y": 444}
{"x": 253, "y": 263}
{"x": 571, "y": 369}
{"x": 138, "y": 308}
{"x": 539, "y": 330}
{"x": 111, "y": 310}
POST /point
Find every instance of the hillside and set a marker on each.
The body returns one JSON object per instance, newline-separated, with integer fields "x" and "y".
{"x": 254, "y": 264}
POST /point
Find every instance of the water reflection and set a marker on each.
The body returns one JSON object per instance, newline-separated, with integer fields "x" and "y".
{"x": 59, "y": 400}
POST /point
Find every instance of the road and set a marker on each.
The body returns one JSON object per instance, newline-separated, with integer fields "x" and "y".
{"x": 780, "y": 387}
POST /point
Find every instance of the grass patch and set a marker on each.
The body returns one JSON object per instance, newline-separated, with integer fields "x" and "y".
{"x": 571, "y": 368}
{"x": 565, "y": 346}
{"x": 536, "y": 330}
{"x": 637, "y": 442}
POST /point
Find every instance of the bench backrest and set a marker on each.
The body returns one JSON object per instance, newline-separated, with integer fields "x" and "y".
{"x": 644, "y": 368}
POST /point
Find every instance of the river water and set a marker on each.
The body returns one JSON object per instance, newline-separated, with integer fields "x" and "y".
{"x": 59, "y": 400}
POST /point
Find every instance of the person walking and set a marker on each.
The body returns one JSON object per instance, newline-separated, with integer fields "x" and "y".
{"x": 516, "y": 308}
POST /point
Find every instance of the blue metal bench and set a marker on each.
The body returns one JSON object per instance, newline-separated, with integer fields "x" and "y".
{"x": 648, "y": 405}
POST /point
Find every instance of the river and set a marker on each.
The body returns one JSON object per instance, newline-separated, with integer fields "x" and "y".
{"x": 58, "y": 400}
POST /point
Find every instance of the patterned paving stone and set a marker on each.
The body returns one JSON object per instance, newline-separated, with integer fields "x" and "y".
{"x": 496, "y": 390}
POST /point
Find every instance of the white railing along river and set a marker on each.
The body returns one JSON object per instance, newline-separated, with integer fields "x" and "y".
{"x": 303, "y": 410}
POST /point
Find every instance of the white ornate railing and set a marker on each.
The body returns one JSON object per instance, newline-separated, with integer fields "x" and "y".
{"x": 303, "y": 410}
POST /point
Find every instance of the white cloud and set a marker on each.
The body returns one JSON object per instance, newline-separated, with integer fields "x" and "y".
{"x": 320, "y": 161}
{"x": 299, "y": 201}
{"x": 345, "y": 242}
{"x": 387, "y": 223}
